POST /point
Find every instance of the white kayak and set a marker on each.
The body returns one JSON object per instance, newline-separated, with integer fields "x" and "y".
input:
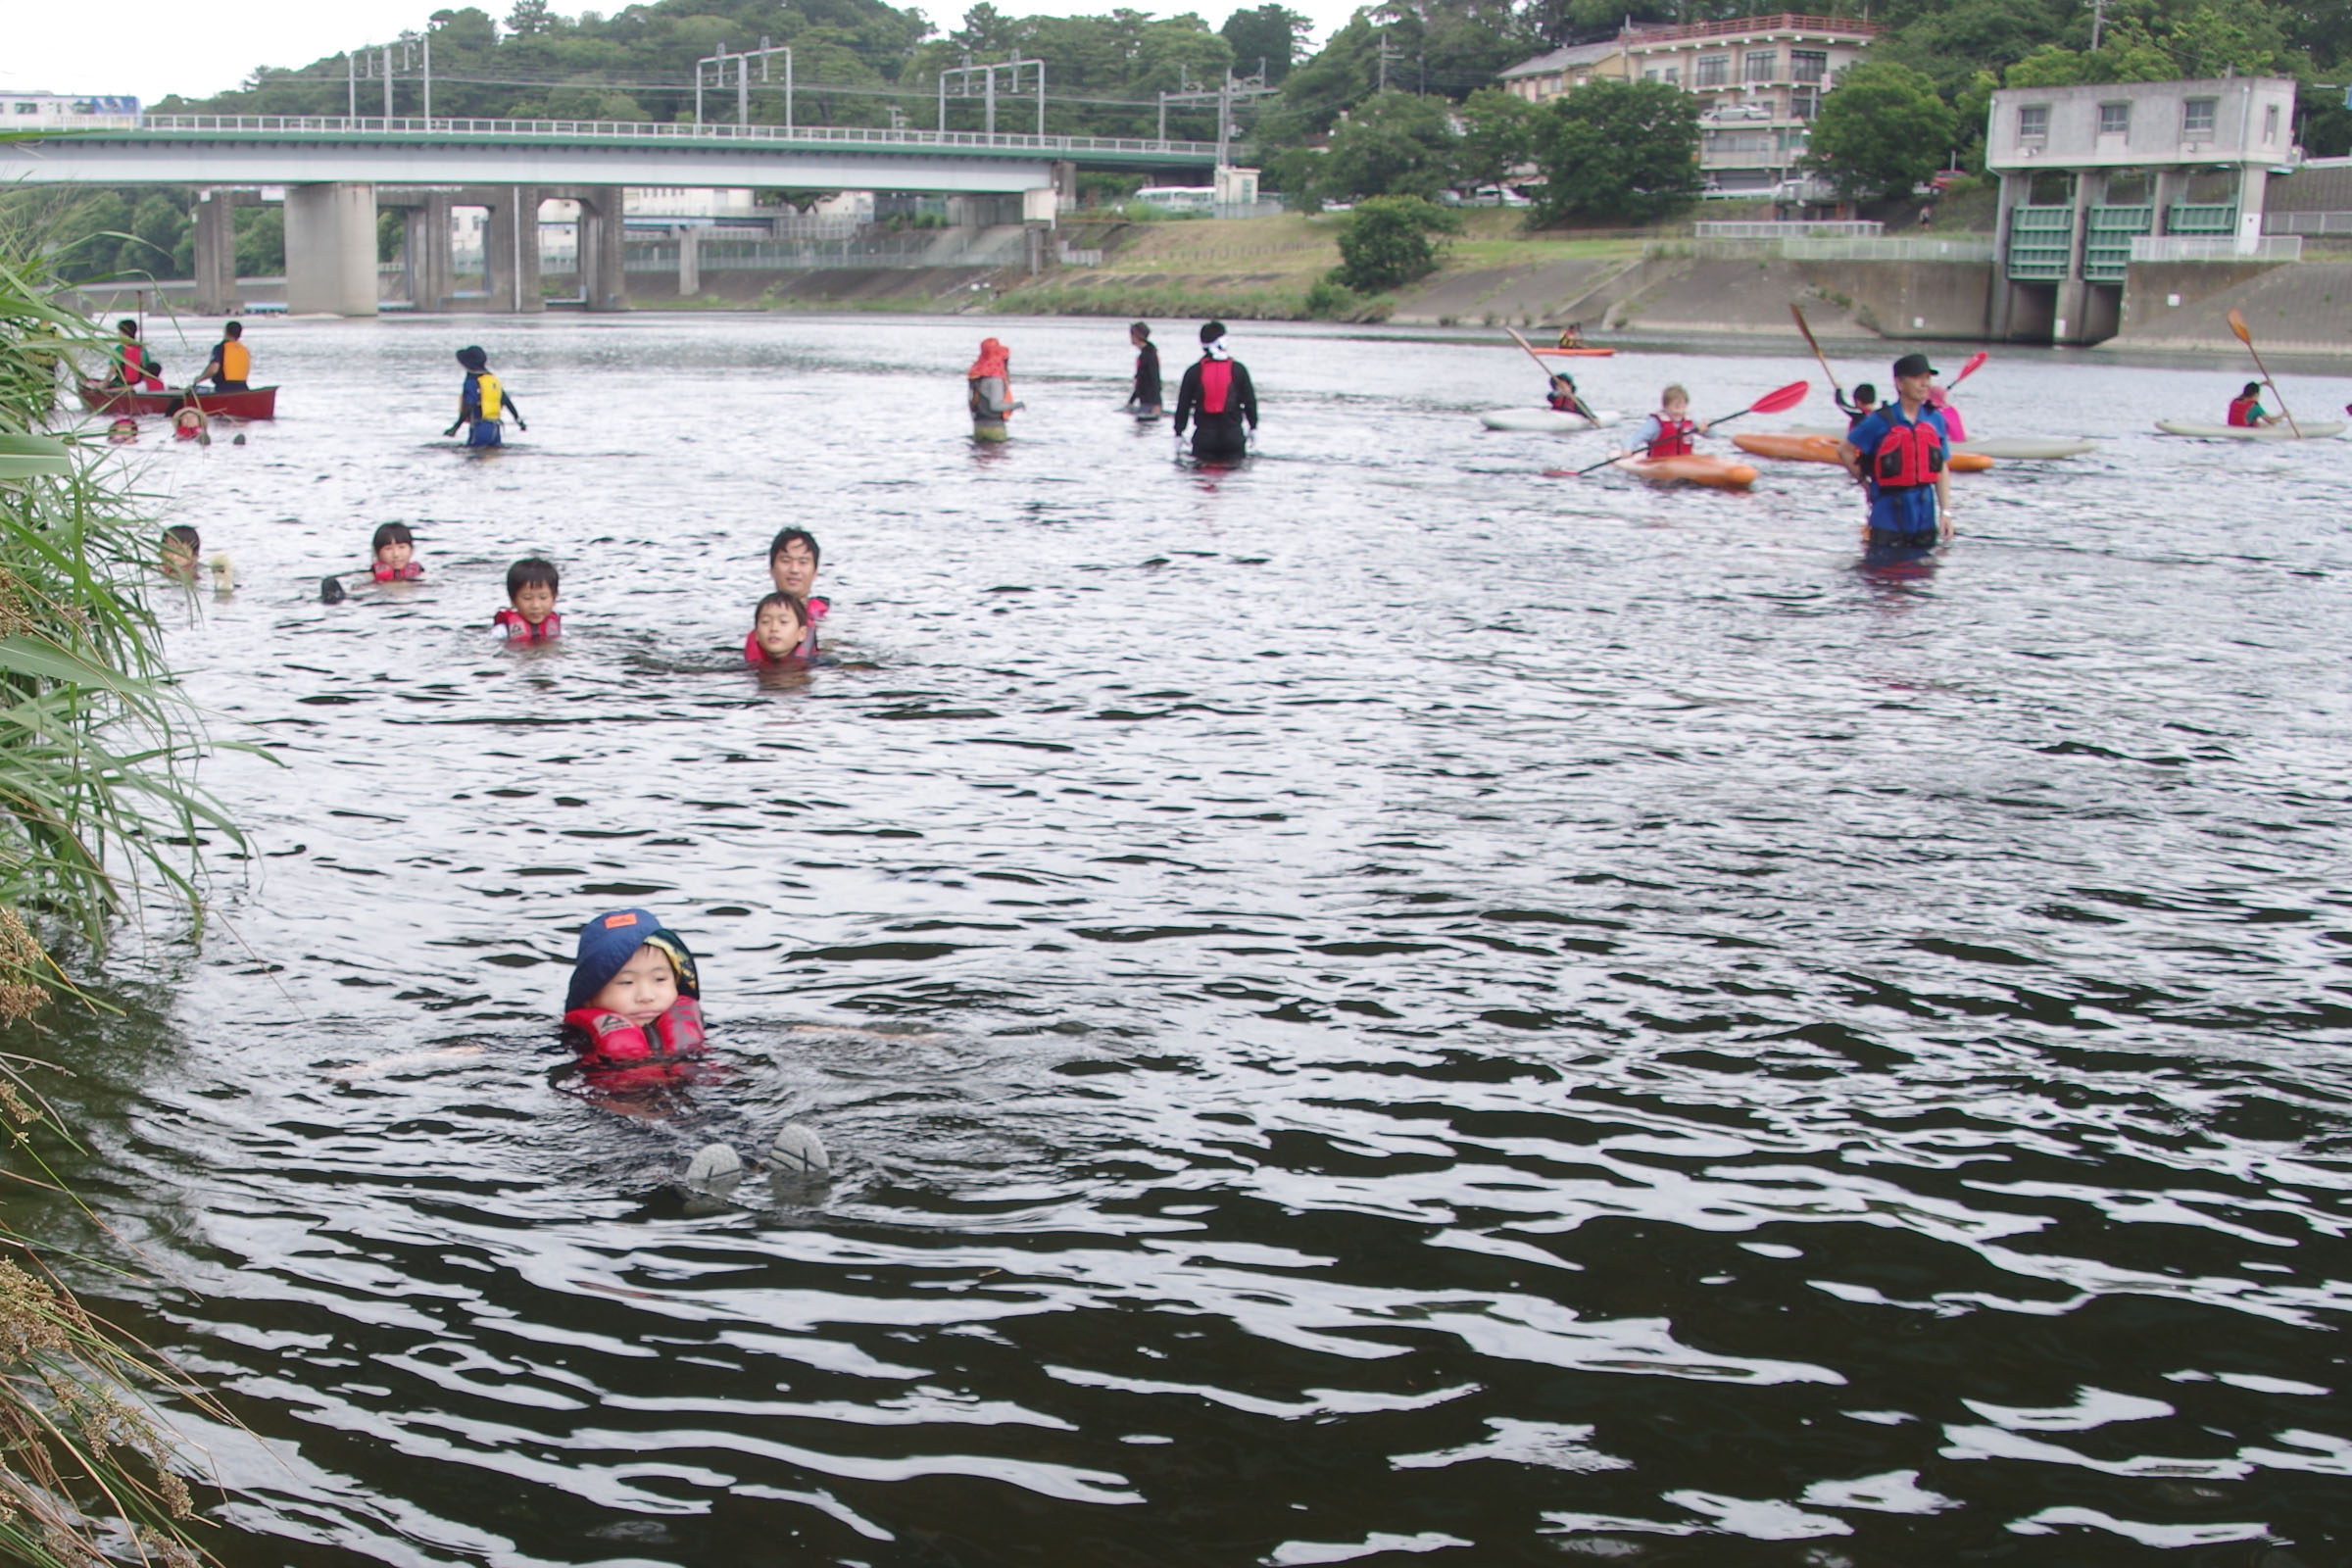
{"x": 2013, "y": 447}
{"x": 2311, "y": 430}
{"x": 1552, "y": 420}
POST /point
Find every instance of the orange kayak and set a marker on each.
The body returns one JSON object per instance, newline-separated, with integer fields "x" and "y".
{"x": 1573, "y": 353}
{"x": 1794, "y": 447}
{"x": 1720, "y": 473}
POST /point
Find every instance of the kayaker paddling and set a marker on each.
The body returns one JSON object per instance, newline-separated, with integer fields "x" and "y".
{"x": 1905, "y": 448}
{"x": 2245, "y": 408}
{"x": 1669, "y": 433}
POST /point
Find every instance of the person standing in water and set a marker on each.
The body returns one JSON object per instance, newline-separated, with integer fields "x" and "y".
{"x": 1899, "y": 452}
{"x": 989, "y": 390}
{"x": 482, "y": 401}
{"x": 1143, "y": 401}
{"x": 1218, "y": 400}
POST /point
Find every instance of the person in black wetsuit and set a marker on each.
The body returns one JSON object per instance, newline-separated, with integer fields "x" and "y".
{"x": 1145, "y": 399}
{"x": 1217, "y": 401}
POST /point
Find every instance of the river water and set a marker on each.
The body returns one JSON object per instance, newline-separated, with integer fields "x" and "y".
{"x": 1374, "y": 1008}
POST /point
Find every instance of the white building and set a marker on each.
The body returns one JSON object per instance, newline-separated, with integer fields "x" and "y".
{"x": 53, "y": 110}
{"x": 682, "y": 201}
{"x": 1759, "y": 82}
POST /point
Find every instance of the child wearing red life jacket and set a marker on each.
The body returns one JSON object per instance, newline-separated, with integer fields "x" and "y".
{"x": 782, "y": 633}
{"x": 530, "y": 614}
{"x": 395, "y": 551}
{"x": 1668, "y": 432}
{"x": 2245, "y": 408}
{"x": 633, "y": 1015}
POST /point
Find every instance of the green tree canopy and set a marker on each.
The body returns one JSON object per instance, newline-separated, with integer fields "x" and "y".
{"x": 1498, "y": 135}
{"x": 1272, "y": 33}
{"x": 1881, "y": 130}
{"x": 1397, "y": 144}
{"x": 1617, "y": 152}
{"x": 1388, "y": 241}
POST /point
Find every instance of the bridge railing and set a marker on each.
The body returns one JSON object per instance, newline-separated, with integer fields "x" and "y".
{"x": 649, "y": 130}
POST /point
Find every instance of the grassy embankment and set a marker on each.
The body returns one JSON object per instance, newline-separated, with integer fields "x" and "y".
{"x": 1260, "y": 269}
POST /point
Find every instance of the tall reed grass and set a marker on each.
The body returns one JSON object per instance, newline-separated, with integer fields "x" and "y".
{"x": 99, "y": 814}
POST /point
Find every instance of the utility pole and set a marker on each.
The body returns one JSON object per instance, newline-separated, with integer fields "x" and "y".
{"x": 387, "y": 81}
{"x": 987, "y": 74}
{"x": 719, "y": 61}
{"x": 1241, "y": 90}
{"x": 2098, "y": 23}
{"x": 351, "y": 64}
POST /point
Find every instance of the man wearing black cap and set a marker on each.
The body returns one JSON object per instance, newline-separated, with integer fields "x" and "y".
{"x": 1900, "y": 452}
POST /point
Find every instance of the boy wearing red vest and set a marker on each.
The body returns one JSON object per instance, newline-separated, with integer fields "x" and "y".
{"x": 1668, "y": 432}
{"x": 1904, "y": 443}
{"x": 1217, "y": 401}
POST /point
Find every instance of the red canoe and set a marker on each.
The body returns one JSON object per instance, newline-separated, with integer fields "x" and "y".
{"x": 260, "y": 403}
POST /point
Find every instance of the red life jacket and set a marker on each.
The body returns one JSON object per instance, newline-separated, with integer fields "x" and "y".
{"x": 2241, "y": 410}
{"x": 1908, "y": 455}
{"x": 407, "y": 573}
{"x": 1216, "y": 384}
{"x": 519, "y": 630}
{"x": 611, "y": 1038}
{"x": 1674, "y": 437}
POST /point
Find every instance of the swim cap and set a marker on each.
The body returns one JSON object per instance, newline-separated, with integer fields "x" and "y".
{"x": 607, "y": 944}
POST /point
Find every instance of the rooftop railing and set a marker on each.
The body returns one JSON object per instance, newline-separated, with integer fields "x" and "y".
{"x": 2201, "y": 248}
{"x": 634, "y": 131}
{"x": 1779, "y": 21}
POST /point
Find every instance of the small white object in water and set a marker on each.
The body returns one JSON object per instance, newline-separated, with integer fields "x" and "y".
{"x": 797, "y": 1152}
{"x": 712, "y": 1162}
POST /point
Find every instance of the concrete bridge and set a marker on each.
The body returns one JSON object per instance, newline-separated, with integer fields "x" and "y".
{"x": 332, "y": 167}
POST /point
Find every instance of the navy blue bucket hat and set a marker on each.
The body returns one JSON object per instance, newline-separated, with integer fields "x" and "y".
{"x": 607, "y": 941}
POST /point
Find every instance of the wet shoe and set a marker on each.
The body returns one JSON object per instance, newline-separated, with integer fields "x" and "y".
{"x": 797, "y": 1152}
{"x": 714, "y": 1164}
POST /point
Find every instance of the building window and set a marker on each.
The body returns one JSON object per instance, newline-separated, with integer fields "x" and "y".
{"x": 1673, "y": 76}
{"x": 1809, "y": 65}
{"x": 2032, "y": 122}
{"x": 2114, "y": 119}
{"x": 1711, "y": 70}
{"x": 1805, "y": 104}
{"x": 1761, "y": 64}
{"x": 2270, "y": 125}
{"x": 2196, "y": 117}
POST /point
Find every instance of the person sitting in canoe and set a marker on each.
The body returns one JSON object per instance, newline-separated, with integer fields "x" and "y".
{"x": 232, "y": 361}
{"x": 1572, "y": 336}
{"x": 1955, "y": 428}
{"x": 1668, "y": 432}
{"x": 2245, "y": 408}
{"x": 1864, "y": 405}
{"x": 1562, "y": 396}
{"x": 133, "y": 364}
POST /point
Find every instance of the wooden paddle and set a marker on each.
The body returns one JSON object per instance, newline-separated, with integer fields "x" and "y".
{"x": 1828, "y": 375}
{"x": 1550, "y": 375}
{"x": 2238, "y": 325}
{"x": 1787, "y": 397}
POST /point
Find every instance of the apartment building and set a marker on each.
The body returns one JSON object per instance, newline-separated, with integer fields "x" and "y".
{"x": 1547, "y": 77}
{"x": 1759, "y": 82}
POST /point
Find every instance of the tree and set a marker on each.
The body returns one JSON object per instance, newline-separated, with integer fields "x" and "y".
{"x": 1396, "y": 145}
{"x": 1387, "y": 242}
{"x": 1272, "y": 33}
{"x": 1498, "y": 135}
{"x": 1617, "y": 151}
{"x": 1881, "y": 130}
{"x": 528, "y": 19}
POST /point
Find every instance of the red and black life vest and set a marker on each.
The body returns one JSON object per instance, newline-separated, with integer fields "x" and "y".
{"x": 1216, "y": 385}
{"x": 1908, "y": 455}
{"x": 1674, "y": 437}
{"x": 2241, "y": 410}
{"x": 519, "y": 630}
{"x": 407, "y": 573}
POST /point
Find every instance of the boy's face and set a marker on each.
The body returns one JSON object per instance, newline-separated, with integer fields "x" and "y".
{"x": 778, "y": 631}
{"x": 644, "y": 990}
{"x": 533, "y": 601}
{"x": 1136, "y": 338}
{"x": 794, "y": 567}
{"x": 395, "y": 553}
{"x": 1677, "y": 407}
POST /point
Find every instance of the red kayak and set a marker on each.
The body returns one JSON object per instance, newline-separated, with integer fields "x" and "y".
{"x": 258, "y": 403}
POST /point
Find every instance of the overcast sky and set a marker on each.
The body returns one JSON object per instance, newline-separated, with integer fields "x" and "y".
{"x": 148, "y": 48}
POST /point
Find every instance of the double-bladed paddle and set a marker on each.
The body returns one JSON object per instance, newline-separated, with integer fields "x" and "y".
{"x": 2238, "y": 325}
{"x": 1774, "y": 402}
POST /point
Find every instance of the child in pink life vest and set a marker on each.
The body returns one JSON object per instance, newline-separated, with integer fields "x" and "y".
{"x": 395, "y": 553}
{"x": 782, "y": 633}
{"x": 634, "y": 1012}
{"x": 530, "y": 614}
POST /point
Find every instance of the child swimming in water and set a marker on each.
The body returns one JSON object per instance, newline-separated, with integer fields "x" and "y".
{"x": 181, "y": 547}
{"x": 782, "y": 632}
{"x": 633, "y": 1015}
{"x": 530, "y": 614}
{"x": 396, "y": 553}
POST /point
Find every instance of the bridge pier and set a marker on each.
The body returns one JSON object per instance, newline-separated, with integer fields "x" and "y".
{"x": 604, "y": 277}
{"x": 331, "y": 250}
{"x": 217, "y": 254}
{"x": 510, "y": 250}
{"x": 426, "y": 251}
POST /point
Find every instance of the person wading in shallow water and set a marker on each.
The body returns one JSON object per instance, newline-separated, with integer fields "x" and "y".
{"x": 1218, "y": 400}
{"x": 1899, "y": 452}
